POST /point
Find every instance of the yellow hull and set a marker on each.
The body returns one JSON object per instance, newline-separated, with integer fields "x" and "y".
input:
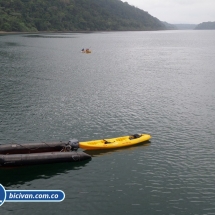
{"x": 87, "y": 51}
{"x": 113, "y": 143}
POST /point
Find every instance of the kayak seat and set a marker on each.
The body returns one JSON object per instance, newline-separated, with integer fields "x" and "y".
{"x": 106, "y": 142}
{"x": 134, "y": 136}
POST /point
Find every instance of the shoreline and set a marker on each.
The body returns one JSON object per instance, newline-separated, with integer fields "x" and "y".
{"x": 59, "y": 32}
{"x": 43, "y": 32}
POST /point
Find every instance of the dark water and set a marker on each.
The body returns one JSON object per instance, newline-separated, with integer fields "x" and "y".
{"x": 160, "y": 83}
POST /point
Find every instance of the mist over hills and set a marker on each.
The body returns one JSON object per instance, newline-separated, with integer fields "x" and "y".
{"x": 205, "y": 26}
{"x": 185, "y": 26}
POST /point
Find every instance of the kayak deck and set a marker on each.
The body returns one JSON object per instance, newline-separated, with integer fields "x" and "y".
{"x": 113, "y": 143}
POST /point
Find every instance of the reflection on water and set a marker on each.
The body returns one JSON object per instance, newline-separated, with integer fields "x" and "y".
{"x": 20, "y": 175}
{"x": 96, "y": 153}
{"x": 11, "y": 44}
{"x": 48, "y": 36}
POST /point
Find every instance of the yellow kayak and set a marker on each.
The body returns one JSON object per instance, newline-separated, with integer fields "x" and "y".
{"x": 87, "y": 51}
{"x": 113, "y": 143}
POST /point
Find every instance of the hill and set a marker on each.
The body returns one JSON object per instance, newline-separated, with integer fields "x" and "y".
{"x": 206, "y": 26}
{"x": 74, "y": 15}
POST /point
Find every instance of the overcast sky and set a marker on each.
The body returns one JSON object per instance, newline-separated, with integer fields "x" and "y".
{"x": 178, "y": 11}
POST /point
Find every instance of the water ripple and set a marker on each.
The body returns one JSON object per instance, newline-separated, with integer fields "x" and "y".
{"x": 160, "y": 83}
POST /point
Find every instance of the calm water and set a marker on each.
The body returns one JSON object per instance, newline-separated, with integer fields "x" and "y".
{"x": 160, "y": 83}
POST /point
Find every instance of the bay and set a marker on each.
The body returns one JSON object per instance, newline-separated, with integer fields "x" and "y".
{"x": 161, "y": 83}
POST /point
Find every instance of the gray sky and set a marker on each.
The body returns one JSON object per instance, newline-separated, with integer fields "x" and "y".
{"x": 178, "y": 11}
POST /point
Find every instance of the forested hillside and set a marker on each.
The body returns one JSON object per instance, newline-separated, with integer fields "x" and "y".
{"x": 74, "y": 15}
{"x": 206, "y": 26}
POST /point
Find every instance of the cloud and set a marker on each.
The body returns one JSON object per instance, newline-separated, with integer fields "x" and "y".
{"x": 178, "y": 11}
